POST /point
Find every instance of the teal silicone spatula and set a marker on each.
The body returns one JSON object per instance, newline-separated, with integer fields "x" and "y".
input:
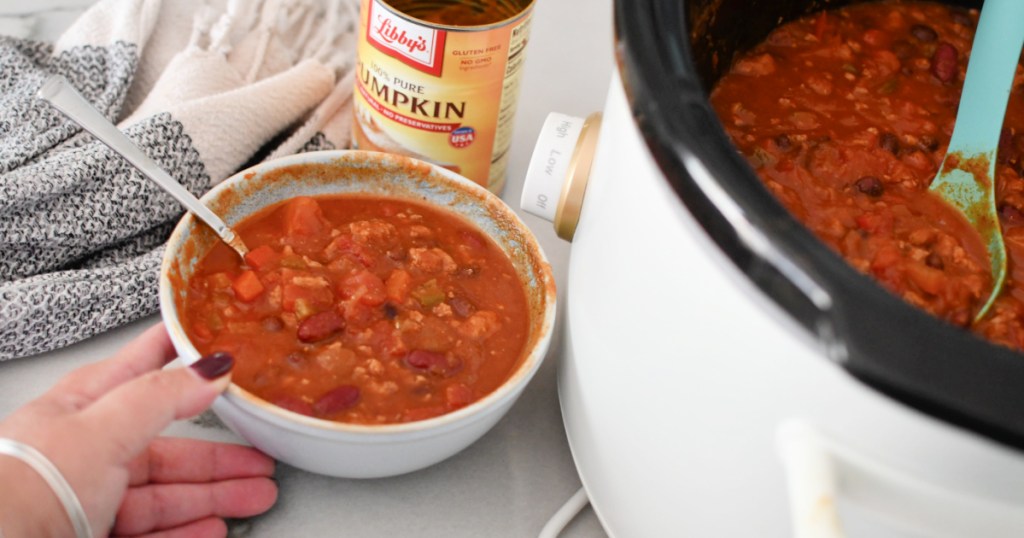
{"x": 966, "y": 177}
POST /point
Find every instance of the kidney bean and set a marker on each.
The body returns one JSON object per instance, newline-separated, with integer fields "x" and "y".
{"x": 928, "y": 143}
{"x": 1004, "y": 151}
{"x": 962, "y": 18}
{"x": 961, "y": 317}
{"x": 266, "y": 376}
{"x": 870, "y": 185}
{"x": 903, "y": 49}
{"x": 923, "y": 33}
{"x": 422, "y": 359}
{"x": 295, "y": 360}
{"x": 1011, "y": 214}
{"x": 890, "y": 143}
{"x": 294, "y": 405}
{"x": 472, "y": 240}
{"x": 1011, "y": 147}
{"x": 462, "y": 307}
{"x": 945, "y": 62}
{"x": 430, "y": 361}
{"x": 337, "y": 399}
{"x": 320, "y": 326}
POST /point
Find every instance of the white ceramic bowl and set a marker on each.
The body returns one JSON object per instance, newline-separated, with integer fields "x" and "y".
{"x": 351, "y": 450}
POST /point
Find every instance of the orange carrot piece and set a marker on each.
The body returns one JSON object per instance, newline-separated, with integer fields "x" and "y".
{"x": 260, "y": 257}
{"x": 247, "y": 286}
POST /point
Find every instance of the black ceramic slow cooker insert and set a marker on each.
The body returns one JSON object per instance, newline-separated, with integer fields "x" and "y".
{"x": 671, "y": 52}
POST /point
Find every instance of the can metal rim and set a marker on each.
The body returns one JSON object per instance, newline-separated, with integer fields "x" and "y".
{"x": 524, "y": 12}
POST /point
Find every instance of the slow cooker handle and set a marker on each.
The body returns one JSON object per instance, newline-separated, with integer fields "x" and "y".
{"x": 821, "y": 468}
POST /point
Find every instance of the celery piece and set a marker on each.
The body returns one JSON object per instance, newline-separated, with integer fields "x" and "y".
{"x": 889, "y": 86}
{"x": 429, "y": 293}
{"x": 213, "y": 322}
{"x": 303, "y": 309}
{"x": 293, "y": 261}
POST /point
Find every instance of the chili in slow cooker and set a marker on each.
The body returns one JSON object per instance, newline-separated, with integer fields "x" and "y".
{"x": 361, "y": 309}
{"x": 846, "y": 115}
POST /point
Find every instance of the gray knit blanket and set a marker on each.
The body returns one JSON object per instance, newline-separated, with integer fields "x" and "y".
{"x": 81, "y": 232}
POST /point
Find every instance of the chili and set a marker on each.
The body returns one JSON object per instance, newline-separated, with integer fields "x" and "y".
{"x": 846, "y": 115}
{"x": 361, "y": 309}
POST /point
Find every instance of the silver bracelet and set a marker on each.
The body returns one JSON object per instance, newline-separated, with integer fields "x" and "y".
{"x": 49, "y": 472}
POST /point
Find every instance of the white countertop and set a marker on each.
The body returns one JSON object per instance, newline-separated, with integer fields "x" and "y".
{"x": 511, "y": 481}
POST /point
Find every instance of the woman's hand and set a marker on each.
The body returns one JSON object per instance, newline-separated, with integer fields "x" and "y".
{"x": 99, "y": 424}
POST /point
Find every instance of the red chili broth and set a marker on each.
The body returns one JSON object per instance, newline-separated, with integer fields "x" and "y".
{"x": 361, "y": 309}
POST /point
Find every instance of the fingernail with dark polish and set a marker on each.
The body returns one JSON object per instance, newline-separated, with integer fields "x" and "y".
{"x": 214, "y": 365}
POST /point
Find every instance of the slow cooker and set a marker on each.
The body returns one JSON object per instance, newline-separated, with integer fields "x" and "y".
{"x": 725, "y": 373}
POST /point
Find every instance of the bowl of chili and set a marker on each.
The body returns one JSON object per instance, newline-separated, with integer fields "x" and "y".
{"x": 388, "y": 314}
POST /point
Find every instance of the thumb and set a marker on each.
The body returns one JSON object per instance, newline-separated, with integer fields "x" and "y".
{"x": 137, "y": 411}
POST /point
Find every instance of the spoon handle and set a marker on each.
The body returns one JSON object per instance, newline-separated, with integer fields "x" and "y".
{"x": 990, "y": 72}
{"x": 59, "y": 93}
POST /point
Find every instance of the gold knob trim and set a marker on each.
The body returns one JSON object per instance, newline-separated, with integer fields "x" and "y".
{"x": 570, "y": 203}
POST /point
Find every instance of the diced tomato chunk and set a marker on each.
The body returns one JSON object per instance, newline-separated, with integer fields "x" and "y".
{"x": 261, "y": 257}
{"x": 358, "y": 314}
{"x": 876, "y": 38}
{"x": 365, "y": 287}
{"x": 202, "y": 331}
{"x": 398, "y": 284}
{"x": 929, "y": 279}
{"x": 876, "y": 223}
{"x": 392, "y": 346}
{"x": 345, "y": 246}
{"x": 458, "y": 395}
{"x": 247, "y": 286}
{"x": 886, "y": 257}
{"x": 303, "y": 292}
{"x": 303, "y": 217}
{"x": 292, "y": 295}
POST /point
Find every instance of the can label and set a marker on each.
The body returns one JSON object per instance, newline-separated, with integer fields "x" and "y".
{"x": 443, "y": 94}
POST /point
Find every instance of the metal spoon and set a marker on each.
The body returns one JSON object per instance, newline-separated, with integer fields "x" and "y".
{"x": 62, "y": 96}
{"x": 966, "y": 177}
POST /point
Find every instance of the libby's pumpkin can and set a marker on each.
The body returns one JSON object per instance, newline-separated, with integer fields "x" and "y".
{"x": 439, "y": 80}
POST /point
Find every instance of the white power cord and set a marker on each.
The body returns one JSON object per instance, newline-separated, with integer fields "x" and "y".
{"x": 565, "y": 514}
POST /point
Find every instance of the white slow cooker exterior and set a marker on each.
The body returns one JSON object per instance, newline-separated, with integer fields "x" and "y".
{"x": 681, "y": 381}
